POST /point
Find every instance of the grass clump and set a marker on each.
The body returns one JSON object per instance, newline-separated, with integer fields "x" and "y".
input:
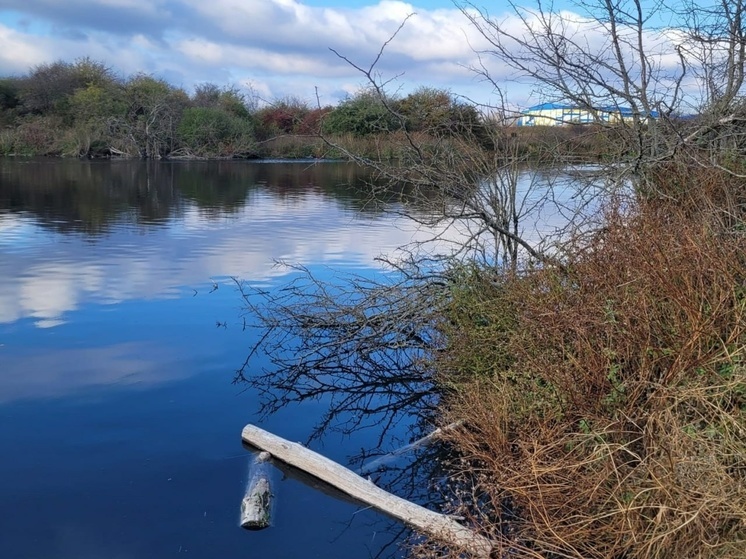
{"x": 605, "y": 406}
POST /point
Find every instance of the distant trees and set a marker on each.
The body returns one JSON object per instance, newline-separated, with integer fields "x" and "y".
{"x": 227, "y": 99}
{"x": 431, "y": 112}
{"x": 290, "y": 115}
{"x": 152, "y": 112}
{"x": 214, "y": 132}
{"x": 361, "y": 115}
{"x": 48, "y": 87}
{"x": 9, "y": 93}
{"x": 217, "y": 124}
{"x": 284, "y": 116}
{"x": 82, "y": 108}
{"x": 438, "y": 111}
{"x": 89, "y": 110}
{"x": 9, "y": 100}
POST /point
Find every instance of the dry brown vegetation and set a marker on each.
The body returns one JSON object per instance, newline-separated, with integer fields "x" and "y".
{"x": 606, "y": 406}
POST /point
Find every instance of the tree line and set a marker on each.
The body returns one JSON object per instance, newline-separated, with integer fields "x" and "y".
{"x": 84, "y": 109}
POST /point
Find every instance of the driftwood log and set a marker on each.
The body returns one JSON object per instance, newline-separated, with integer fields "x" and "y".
{"x": 256, "y": 504}
{"x": 438, "y": 526}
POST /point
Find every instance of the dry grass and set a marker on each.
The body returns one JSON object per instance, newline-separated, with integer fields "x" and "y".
{"x": 606, "y": 407}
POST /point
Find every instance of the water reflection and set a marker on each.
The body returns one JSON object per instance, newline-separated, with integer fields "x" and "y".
{"x": 116, "y": 407}
{"x": 60, "y": 372}
{"x": 137, "y": 229}
{"x": 94, "y": 197}
{"x": 119, "y": 334}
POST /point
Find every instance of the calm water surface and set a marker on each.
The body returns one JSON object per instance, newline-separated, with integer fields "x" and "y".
{"x": 120, "y": 331}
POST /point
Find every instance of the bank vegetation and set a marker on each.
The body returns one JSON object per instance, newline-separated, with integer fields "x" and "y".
{"x": 84, "y": 109}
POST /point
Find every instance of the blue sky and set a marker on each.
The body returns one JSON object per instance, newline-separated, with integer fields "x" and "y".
{"x": 272, "y": 48}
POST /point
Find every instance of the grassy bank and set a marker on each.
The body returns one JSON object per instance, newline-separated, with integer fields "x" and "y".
{"x": 48, "y": 136}
{"x": 606, "y": 406}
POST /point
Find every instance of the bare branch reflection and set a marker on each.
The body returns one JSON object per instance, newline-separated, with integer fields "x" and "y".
{"x": 357, "y": 342}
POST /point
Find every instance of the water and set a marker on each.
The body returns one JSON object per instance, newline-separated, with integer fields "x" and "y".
{"x": 120, "y": 331}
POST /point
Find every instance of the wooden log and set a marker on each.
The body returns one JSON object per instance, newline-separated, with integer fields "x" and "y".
{"x": 256, "y": 504}
{"x": 439, "y": 526}
{"x": 382, "y": 462}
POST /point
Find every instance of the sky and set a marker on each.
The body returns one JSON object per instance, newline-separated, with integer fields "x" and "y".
{"x": 271, "y": 48}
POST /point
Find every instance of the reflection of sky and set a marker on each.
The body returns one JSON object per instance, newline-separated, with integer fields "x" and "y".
{"x": 56, "y": 371}
{"x": 135, "y": 271}
{"x": 80, "y": 313}
{"x": 44, "y": 275}
{"x": 19, "y": 232}
{"x": 135, "y": 344}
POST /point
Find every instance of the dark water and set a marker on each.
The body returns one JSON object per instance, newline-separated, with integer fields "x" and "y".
{"x": 120, "y": 332}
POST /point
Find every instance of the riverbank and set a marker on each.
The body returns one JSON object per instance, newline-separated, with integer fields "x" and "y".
{"x": 605, "y": 405}
{"x": 589, "y": 143}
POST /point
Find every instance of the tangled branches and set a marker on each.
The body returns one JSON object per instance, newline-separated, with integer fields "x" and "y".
{"x": 358, "y": 343}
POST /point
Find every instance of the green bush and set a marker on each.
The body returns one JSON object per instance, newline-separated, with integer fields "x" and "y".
{"x": 211, "y": 132}
{"x": 361, "y": 115}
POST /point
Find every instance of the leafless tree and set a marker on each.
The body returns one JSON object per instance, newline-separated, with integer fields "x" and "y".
{"x": 476, "y": 179}
{"x": 364, "y": 343}
{"x": 606, "y": 58}
{"x": 657, "y": 61}
{"x": 715, "y": 41}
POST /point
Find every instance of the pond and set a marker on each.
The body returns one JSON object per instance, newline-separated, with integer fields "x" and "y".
{"x": 121, "y": 330}
{"x": 120, "y": 333}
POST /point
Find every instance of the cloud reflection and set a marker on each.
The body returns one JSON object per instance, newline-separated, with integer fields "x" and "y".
{"x": 55, "y": 373}
{"x": 195, "y": 224}
{"x": 45, "y": 284}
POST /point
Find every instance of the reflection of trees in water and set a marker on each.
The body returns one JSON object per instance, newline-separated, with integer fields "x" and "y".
{"x": 91, "y": 196}
{"x": 358, "y": 345}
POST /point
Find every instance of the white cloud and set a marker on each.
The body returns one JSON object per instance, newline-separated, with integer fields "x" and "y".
{"x": 18, "y": 53}
{"x": 203, "y": 51}
{"x": 280, "y": 45}
{"x": 246, "y": 40}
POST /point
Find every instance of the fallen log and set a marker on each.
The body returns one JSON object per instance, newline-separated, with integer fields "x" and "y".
{"x": 256, "y": 504}
{"x": 438, "y": 526}
{"x": 382, "y": 462}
